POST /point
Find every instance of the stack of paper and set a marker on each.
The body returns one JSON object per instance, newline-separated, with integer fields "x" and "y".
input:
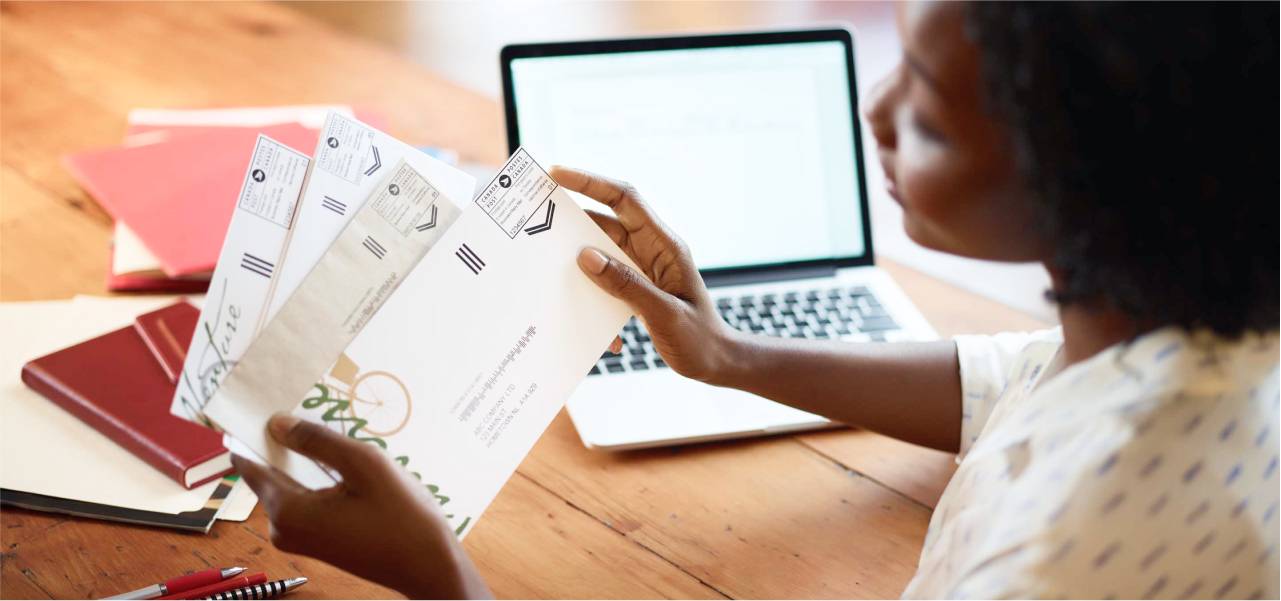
{"x": 52, "y": 461}
{"x": 454, "y": 366}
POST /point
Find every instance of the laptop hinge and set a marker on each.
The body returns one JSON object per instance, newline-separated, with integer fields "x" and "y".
{"x": 772, "y": 274}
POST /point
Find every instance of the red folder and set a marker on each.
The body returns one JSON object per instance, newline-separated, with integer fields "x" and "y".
{"x": 178, "y": 194}
{"x": 115, "y": 384}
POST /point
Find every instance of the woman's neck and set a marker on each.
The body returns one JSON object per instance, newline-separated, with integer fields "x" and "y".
{"x": 1086, "y": 332}
{"x": 1089, "y": 329}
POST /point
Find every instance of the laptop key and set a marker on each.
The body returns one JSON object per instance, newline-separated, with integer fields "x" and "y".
{"x": 595, "y": 371}
{"x": 639, "y": 364}
{"x": 878, "y": 324}
{"x": 658, "y": 362}
{"x": 614, "y": 368}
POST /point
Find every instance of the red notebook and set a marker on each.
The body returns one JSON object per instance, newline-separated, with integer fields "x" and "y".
{"x": 116, "y": 384}
{"x": 167, "y": 333}
{"x": 178, "y": 194}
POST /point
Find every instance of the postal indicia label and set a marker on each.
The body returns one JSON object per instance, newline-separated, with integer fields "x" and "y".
{"x": 405, "y": 199}
{"x": 271, "y": 184}
{"x": 516, "y": 193}
{"x": 346, "y": 149}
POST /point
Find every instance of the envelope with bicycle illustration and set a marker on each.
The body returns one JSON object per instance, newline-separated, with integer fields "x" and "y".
{"x": 463, "y": 366}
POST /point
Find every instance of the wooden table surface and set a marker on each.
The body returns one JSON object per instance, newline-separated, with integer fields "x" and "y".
{"x": 832, "y": 514}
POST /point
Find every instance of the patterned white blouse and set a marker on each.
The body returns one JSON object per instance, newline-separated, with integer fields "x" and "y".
{"x": 1146, "y": 471}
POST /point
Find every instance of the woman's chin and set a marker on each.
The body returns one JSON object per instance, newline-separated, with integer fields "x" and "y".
{"x": 922, "y": 234}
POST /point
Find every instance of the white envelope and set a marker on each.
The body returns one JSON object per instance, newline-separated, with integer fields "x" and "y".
{"x": 463, "y": 368}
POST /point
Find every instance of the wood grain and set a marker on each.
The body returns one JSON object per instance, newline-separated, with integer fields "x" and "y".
{"x": 831, "y": 514}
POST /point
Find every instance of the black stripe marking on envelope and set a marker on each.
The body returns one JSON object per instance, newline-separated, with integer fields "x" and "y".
{"x": 257, "y": 265}
{"x": 374, "y": 247}
{"x": 335, "y": 205}
{"x": 470, "y": 259}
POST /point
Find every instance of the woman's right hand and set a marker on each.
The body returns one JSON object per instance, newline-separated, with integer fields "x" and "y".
{"x": 670, "y": 297}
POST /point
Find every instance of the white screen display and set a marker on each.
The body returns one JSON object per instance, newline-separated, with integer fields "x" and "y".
{"x": 746, "y": 152}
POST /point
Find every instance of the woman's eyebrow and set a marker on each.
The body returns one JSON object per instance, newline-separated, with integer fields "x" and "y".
{"x": 921, "y": 71}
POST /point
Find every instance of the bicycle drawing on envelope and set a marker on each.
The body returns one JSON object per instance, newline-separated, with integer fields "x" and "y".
{"x": 375, "y": 403}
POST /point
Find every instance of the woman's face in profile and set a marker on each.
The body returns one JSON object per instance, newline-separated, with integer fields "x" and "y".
{"x": 947, "y": 162}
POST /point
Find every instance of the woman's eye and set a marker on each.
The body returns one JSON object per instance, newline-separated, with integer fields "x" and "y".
{"x": 925, "y": 129}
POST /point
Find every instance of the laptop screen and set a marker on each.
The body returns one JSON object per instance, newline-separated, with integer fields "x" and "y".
{"x": 746, "y": 151}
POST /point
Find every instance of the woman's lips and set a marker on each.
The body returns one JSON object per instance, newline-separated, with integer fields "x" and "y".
{"x": 891, "y": 187}
{"x": 891, "y": 183}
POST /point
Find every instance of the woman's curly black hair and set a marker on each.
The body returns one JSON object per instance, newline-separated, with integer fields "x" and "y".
{"x": 1144, "y": 132}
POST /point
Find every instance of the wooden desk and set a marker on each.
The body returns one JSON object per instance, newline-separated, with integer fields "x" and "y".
{"x": 832, "y": 514}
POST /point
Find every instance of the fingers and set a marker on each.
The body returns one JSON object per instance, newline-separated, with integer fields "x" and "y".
{"x": 616, "y": 346}
{"x": 624, "y": 283}
{"x": 353, "y": 459}
{"x": 632, "y": 212}
{"x": 601, "y": 189}
{"x": 611, "y": 227}
{"x": 271, "y": 485}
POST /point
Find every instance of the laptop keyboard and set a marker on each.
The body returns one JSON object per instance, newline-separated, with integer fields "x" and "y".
{"x": 849, "y": 314}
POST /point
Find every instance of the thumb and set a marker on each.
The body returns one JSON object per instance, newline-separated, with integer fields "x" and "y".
{"x": 353, "y": 459}
{"x": 624, "y": 283}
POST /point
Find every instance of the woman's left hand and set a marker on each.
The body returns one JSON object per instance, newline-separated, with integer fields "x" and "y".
{"x": 379, "y": 523}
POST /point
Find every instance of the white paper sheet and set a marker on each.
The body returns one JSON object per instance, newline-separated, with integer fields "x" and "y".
{"x": 239, "y": 503}
{"x": 129, "y": 254}
{"x": 310, "y": 116}
{"x": 44, "y": 449}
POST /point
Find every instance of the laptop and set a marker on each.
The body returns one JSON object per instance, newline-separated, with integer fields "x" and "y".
{"x": 748, "y": 146}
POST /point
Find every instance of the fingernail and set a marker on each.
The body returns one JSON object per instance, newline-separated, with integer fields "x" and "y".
{"x": 280, "y": 424}
{"x": 592, "y": 260}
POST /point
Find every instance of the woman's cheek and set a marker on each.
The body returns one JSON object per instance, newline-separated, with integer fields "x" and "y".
{"x": 926, "y": 192}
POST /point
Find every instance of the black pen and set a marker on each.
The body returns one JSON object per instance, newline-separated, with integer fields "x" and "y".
{"x": 266, "y": 590}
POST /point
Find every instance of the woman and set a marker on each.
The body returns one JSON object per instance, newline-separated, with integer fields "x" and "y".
{"x": 1131, "y": 452}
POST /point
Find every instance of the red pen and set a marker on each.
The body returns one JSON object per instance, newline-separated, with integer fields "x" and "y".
{"x": 177, "y": 585}
{"x": 218, "y": 587}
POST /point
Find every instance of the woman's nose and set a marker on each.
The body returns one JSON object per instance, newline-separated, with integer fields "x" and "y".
{"x": 878, "y": 108}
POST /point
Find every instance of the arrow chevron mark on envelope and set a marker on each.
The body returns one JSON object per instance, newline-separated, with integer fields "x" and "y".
{"x": 547, "y": 221}
{"x": 377, "y": 161}
{"x": 430, "y": 223}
